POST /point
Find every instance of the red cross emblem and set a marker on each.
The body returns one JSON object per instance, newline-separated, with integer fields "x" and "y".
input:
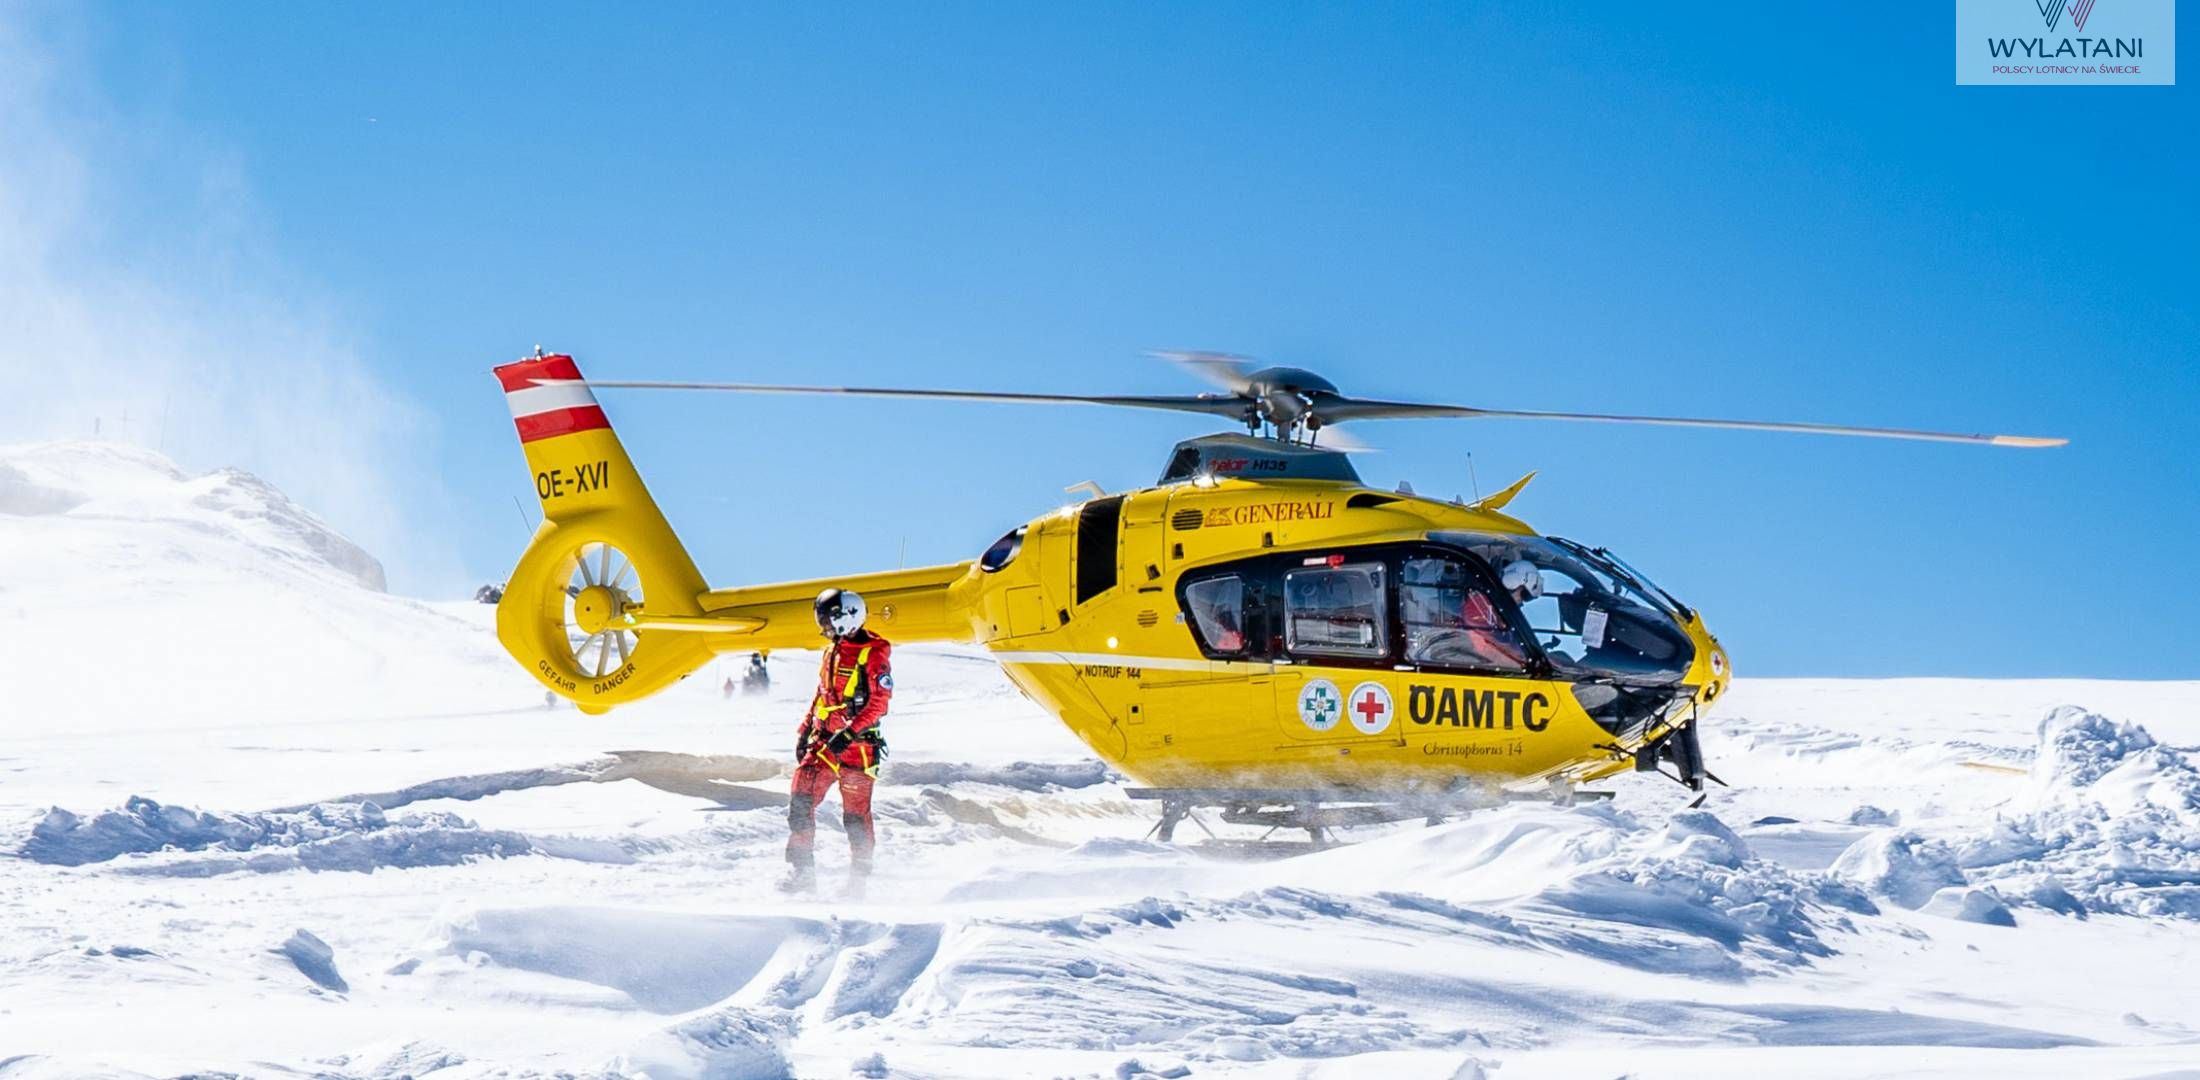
{"x": 1370, "y": 707}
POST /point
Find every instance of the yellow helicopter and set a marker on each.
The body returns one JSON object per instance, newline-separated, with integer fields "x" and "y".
{"x": 1257, "y": 626}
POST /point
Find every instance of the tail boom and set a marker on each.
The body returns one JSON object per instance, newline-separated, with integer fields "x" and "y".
{"x": 920, "y": 604}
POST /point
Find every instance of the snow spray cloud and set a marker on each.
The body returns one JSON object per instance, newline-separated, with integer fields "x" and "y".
{"x": 160, "y": 317}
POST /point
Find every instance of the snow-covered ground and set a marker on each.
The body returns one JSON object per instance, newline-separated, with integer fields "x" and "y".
{"x": 265, "y": 819}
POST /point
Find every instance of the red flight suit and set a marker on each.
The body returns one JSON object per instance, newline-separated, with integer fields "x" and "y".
{"x": 1488, "y": 634}
{"x": 854, "y": 685}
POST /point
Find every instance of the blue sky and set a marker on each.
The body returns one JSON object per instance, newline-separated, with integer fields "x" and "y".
{"x": 1766, "y": 210}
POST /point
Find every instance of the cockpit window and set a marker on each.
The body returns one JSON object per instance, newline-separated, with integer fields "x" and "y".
{"x": 1336, "y": 611}
{"x": 1625, "y": 579}
{"x": 1452, "y": 621}
{"x": 1590, "y": 620}
{"x": 1217, "y": 606}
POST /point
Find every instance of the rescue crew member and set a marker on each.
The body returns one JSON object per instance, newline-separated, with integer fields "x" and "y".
{"x": 1488, "y": 638}
{"x": 839, "y": 741}
{"x": 1486, "y": 630}
{"x": 1523, "y": 580}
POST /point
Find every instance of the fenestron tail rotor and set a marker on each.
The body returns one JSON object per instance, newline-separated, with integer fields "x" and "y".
{"x": 602, "y": 589}
{"x": 1296, "y": 406}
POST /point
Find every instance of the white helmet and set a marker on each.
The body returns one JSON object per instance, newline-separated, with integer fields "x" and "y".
{"x": 1521, "y": 575}
{"x": 840, "y": 612}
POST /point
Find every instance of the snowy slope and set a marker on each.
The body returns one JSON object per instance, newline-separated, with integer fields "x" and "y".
{"x": 138, "y": 599}
{"x": 268, "y": 820}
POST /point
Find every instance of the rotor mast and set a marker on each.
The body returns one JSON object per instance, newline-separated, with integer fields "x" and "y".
{"x": 1280, "y": 402}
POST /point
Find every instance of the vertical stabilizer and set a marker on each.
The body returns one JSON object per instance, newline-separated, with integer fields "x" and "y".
{"x": 604, "y": 552}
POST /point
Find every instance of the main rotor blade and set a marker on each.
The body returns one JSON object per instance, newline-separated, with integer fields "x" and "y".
{"x": 1226, "y": 371}
{"x": 1333, "y": 410}
{"x": 1210, "y": 404}
{"x": 1337, "y": 438}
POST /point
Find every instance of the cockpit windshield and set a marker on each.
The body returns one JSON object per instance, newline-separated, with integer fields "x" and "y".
{"x": 1591, "y": 617}
{"x": 1625, "y": 574}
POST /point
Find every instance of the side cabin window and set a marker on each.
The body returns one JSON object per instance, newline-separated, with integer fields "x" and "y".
{"x": 1336, "y": 611}
{"x": 1219, "y": 616}
{"x": 1452, "y": 620}
{"x": 1416, "y": 605}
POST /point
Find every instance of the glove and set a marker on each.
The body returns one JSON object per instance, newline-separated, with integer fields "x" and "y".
{"x": 802, "y": 745}
{"x": 838, "y": 741}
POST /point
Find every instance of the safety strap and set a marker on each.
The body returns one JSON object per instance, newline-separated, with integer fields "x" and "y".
{"x": 870, "y": 764}
{"x": 863, "y": 658}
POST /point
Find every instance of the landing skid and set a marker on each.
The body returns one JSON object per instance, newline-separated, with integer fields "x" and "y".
{"x": 1321, "y": 810}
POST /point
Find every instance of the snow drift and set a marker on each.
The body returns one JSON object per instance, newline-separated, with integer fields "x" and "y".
{"x": 337, "y": 836}
{"x": 2109, "y": 824}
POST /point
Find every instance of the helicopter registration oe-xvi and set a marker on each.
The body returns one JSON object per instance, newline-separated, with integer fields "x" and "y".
{"x": 1258, "y": 620}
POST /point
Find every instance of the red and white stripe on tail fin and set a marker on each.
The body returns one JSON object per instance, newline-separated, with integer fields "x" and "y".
{"x": 547, "y": 397}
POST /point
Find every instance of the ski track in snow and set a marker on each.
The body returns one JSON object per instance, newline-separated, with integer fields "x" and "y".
{"x": 1908, "y": 877}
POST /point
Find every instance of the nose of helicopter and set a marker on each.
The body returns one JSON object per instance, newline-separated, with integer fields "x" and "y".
{"x": 1714, "y": 671}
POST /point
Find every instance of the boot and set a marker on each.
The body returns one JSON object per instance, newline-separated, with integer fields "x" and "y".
{"x": 859, "y": 878}
{"x": 799, "y": 879}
